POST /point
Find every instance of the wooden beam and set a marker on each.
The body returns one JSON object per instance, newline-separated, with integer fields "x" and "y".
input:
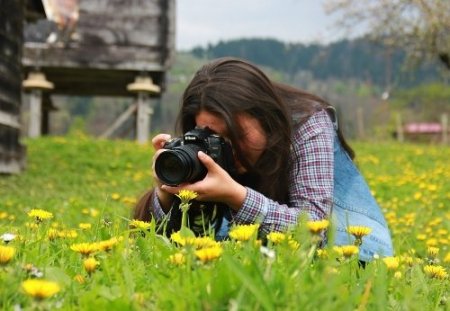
{"x": 119, "y": 121}
{"x": 9, "y": 120}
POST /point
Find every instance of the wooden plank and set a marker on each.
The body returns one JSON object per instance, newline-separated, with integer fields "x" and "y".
{"x": 119, "y": 121}
{"x": 101, "y": 82}
{"x": 126, "y": 7}
{"x": 101, "y": 57}
{"x": 120, "y": 30}
{"x": 9, "y": 120}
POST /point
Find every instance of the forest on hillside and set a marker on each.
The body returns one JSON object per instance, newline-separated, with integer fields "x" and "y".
{"x": 360, "y": 59}
{"x": 369, "y": 84}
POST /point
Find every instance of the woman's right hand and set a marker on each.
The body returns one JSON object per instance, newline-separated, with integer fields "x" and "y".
{"x": 165, "y": 198}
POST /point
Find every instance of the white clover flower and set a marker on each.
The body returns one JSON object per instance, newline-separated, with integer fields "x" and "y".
{"x": 269, "y": 253}
{"x": 7, "y": 237}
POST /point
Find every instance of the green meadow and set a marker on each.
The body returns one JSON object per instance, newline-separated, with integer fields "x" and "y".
{"x": 65, "y": 222}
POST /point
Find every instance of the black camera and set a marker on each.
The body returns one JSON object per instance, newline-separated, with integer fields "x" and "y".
{"x": 180, "y": 164}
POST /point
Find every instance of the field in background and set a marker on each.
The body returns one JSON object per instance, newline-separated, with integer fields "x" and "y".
{"x": 90, "y": 187}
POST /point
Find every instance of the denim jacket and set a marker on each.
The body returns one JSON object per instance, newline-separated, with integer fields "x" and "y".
{"x": 353, "y": 204}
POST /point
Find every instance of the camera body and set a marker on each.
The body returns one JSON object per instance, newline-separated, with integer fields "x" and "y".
{"x": 180, "y": 164}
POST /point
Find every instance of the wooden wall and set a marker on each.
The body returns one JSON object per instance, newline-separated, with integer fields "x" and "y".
{"x": 11, "y": 151}
{"x": 117, "y": 39}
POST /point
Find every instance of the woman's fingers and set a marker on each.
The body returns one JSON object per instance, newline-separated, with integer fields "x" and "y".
{"x": 160, "y": 140}
{"x": 208, "y": 162}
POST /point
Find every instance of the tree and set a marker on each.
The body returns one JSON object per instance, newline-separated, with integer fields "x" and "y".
{"x": 421, "y": 27}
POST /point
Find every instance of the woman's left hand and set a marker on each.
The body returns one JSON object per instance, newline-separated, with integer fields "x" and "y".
{"x": 217, "y": 186}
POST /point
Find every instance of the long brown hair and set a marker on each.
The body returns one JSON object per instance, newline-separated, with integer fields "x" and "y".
{"x": 228, "y": 87}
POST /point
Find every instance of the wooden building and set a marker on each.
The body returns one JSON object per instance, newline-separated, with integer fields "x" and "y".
{"x": 12, "y": 153}
{"x": 84, "y": 48}
{"x": 98, "y": 48}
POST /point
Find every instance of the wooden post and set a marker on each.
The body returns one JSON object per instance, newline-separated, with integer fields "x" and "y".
{"x": 35, "y": 122}
{"x": 444, "y": 122}
{"x": 36, "y": 83}
{"x": 399, "y": 126}
{"x": 143, "y": 86}
{"x": 142, "y": 118}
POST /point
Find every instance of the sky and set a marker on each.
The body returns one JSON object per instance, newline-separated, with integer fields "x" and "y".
{"x": 199, "y": 22}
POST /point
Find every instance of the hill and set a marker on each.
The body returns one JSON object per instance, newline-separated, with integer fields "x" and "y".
{"x": 359, "y": 59}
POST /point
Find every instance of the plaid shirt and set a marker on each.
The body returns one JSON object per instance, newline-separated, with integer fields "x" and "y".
{"x": 310, "y": 182}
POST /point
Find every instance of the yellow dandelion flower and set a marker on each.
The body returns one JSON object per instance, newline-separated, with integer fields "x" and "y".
{"x": 204, "y": 242}
{"x": 90, "y": 264}
{"x": 70, "y": 234}
{"x": 6, "y": 254}
{"x": 359, "y": 231}
{"x": 391, "y": 263}
{"x": 431, "y": 242}
{"x": 294, "y": 245}
{"x": 432, "y": 251}
{"x": 115, "y": 196}
{"x": 177, "y": 259}
{"x": 40, "y": 289}
{"x": 435, "y": 271}
{"x": 31, "y": 225}
{"x": 52, "y": 234}
{"x": 421, "y": 237}
{"x": 93, "y": 212}
{"x": 209, "y": 253}
{"x": 178, "y": 238}
{"x": 186, "y": 195}
{"x": 322, "y": 253}
{"x": 107, "y": 244}
{"x": 39, "y": 214}
{"x": 85, "y": 249}
{"x": 408, "y": 260}
{"x": 139, "y": 224}
{"x": 84, "y": 226}
{"x": 276, "y": 237}
{"x": 129, "y": 201}
{"x": 197, "y": 242}
{"x": 346, "y": 250}
{"x": 317, "y": 226}
{"x": 243, "y": 232}
{"x": 447, "y": 258}
{"x": 417, "y": 195}
{"x": 398, "y": 275}
{"x": 79, "y": 278}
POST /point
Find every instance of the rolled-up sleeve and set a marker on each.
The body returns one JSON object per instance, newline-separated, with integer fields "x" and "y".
{"x": 310, "y": 181}
{"x": 155, "y": 208}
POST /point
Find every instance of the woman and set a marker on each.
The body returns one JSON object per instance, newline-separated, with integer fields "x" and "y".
{"x": 290, "y": 156}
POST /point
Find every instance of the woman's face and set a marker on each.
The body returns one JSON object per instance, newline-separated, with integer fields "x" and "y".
{"x": 253, "y": 139}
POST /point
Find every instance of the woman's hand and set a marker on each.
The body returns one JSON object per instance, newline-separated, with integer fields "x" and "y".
{"x": 165, "y": 198}
{"x": 217, "y": 186}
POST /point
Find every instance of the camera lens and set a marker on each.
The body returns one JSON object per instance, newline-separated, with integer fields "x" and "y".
{"x": 179, "y": 165}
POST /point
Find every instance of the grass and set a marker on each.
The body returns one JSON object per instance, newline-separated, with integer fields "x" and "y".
{"x": 90, "y": 186}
